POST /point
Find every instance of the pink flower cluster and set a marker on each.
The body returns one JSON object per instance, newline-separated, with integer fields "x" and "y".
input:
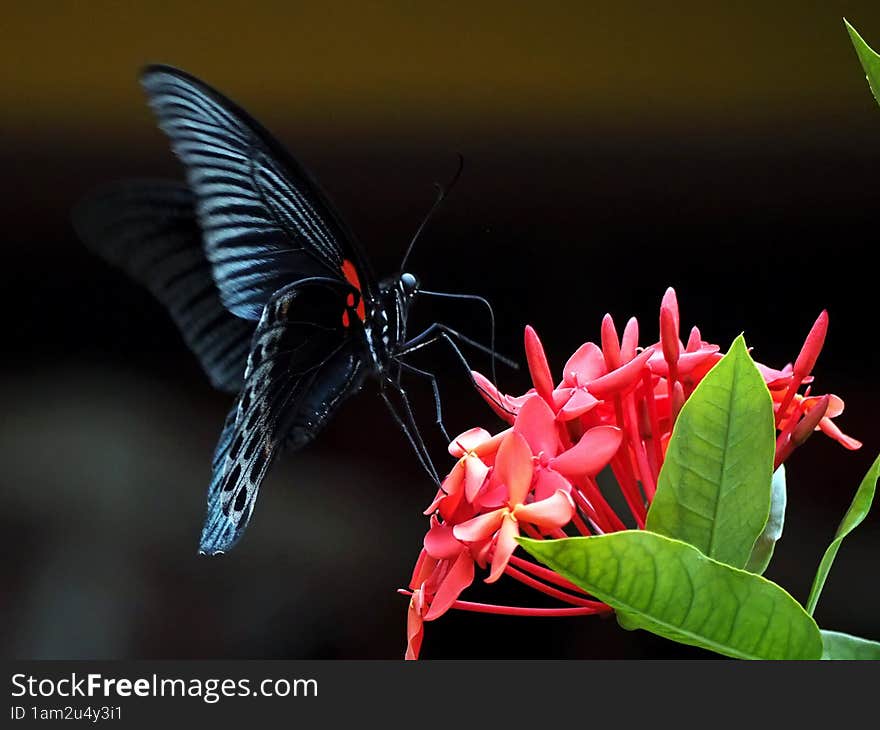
{"x": 614, "y": 406}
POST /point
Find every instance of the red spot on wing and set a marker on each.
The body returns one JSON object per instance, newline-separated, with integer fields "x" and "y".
{"x": 351, "y": 276}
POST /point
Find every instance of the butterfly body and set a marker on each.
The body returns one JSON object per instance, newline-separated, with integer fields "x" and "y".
{"x": 270, "y": 289}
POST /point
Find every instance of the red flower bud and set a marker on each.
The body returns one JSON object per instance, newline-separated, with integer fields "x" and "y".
{"x": 677, "y": 400}
{"x": 809, "y": 353}
{"x": 670, "y": 302}
{"x": 810, "y": 421}
{"x": 629, "y": 343}
{"x": 610, "y": 343}
{"x": 538, "y": 367}
{"x": 669, "y": 336}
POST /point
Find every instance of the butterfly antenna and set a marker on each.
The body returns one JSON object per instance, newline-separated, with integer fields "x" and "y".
{"x": 442, "y": 192}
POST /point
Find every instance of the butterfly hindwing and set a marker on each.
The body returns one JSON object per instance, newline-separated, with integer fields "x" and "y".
{"x": 265, "y": 221}
{"x": 149, "y": 230}
{"x": 303, "y": 363}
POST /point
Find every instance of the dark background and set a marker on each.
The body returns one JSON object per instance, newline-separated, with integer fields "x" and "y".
{"x": 729, "y": 152}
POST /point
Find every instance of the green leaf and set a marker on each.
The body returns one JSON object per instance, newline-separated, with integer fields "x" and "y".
{"x": 836, "y": 645}
{"x": 670, "y": 588}
{"x": 857, "y": 512}
{"x": 766, "y": 542}
{"x": 714, "y": 488}
{"x": 870, "y": 60}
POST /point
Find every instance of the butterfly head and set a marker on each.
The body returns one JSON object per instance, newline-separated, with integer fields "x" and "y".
{"x": 408, "y": 284}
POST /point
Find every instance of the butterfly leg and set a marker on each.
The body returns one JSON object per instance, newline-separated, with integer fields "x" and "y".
{"x": 408, "y": 425}
{"x": 404, "y": 366}
{"x": 491, "y": 312}
{"x": 441, "y": 333}
{"x": 435, "y": 331}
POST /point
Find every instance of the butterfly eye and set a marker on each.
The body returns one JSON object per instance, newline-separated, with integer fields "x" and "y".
{"x": 409, "y": 284}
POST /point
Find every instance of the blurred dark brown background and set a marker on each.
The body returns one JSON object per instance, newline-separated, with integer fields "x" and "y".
{"x": 730, "y": 152}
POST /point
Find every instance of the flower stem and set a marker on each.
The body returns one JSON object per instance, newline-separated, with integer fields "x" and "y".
{"x": 654, "y": 421}
{"x": 545, "y": 573}
{"x": 646, "y": 477}
{"x": 629, "y": 488}
{"x": 596, "y": 498}
{"x": 525, "y": 611}
{"x": 548, "y": 590}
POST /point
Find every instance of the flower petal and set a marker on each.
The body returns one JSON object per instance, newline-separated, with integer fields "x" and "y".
{"x": 425, "y": 565}
{"x": 493, "y": 496}
{"x": 696, "y": 373}
{"x": 459, "y": 577}
{"x": 415, "y": 628}
{"x": 514, "y": 467}
{"x": 686, "y": 363}
{"x": 482, "y": 551}
{"x": 589, "y": 455}
{"x": 475, "y": 476}
{"x": 690, "y": 361}
{"x": 587, "y": 364}
{"x": 829, "y": 428}
{"x": 835, "y": 404}
{"x": 481, "y": 527}
{"x": 622, "y": 380}
{"x": 536, "y": 423}
{"x": 548, "y": 482}
{"x": 548, "y": 514}
{"x": 438, "y": 499}
{"x": 497, "y": 402}
{"x": 441, "y": 543}
{"x": 504, "y": 547}
{"x": 468, "y": 441}
{"x": 579, "y": 403}
{"x": 775, "y": 378}
{"x": 451, "y": 491}
{"x": 487, "y": 449}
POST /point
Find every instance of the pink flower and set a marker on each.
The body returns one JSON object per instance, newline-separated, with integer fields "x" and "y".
{"x": 475, "y": 450}
{"x": 791, "y": 407}
{"x": 513, "y": 473}
{"x": 556, "y": 467}
{"x": 572, "y": 398}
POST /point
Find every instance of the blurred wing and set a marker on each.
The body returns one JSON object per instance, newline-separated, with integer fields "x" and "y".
{"x": 266, "y": 222}
{"x": 149, "y": 230}
{"x": 303, "y": 363}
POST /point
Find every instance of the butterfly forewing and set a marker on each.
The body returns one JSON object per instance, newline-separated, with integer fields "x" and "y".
{"x": 265, "y": 281}
{"x": 265, "y": 222}
{"x": 303, "y": 363}
{"x": 148, "y": 229}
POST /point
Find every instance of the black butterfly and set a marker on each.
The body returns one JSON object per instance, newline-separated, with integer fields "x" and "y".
{"x": 268, "y": 286}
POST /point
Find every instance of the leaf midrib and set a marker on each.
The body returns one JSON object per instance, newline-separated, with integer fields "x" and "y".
{"x": 715, "y": 527}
